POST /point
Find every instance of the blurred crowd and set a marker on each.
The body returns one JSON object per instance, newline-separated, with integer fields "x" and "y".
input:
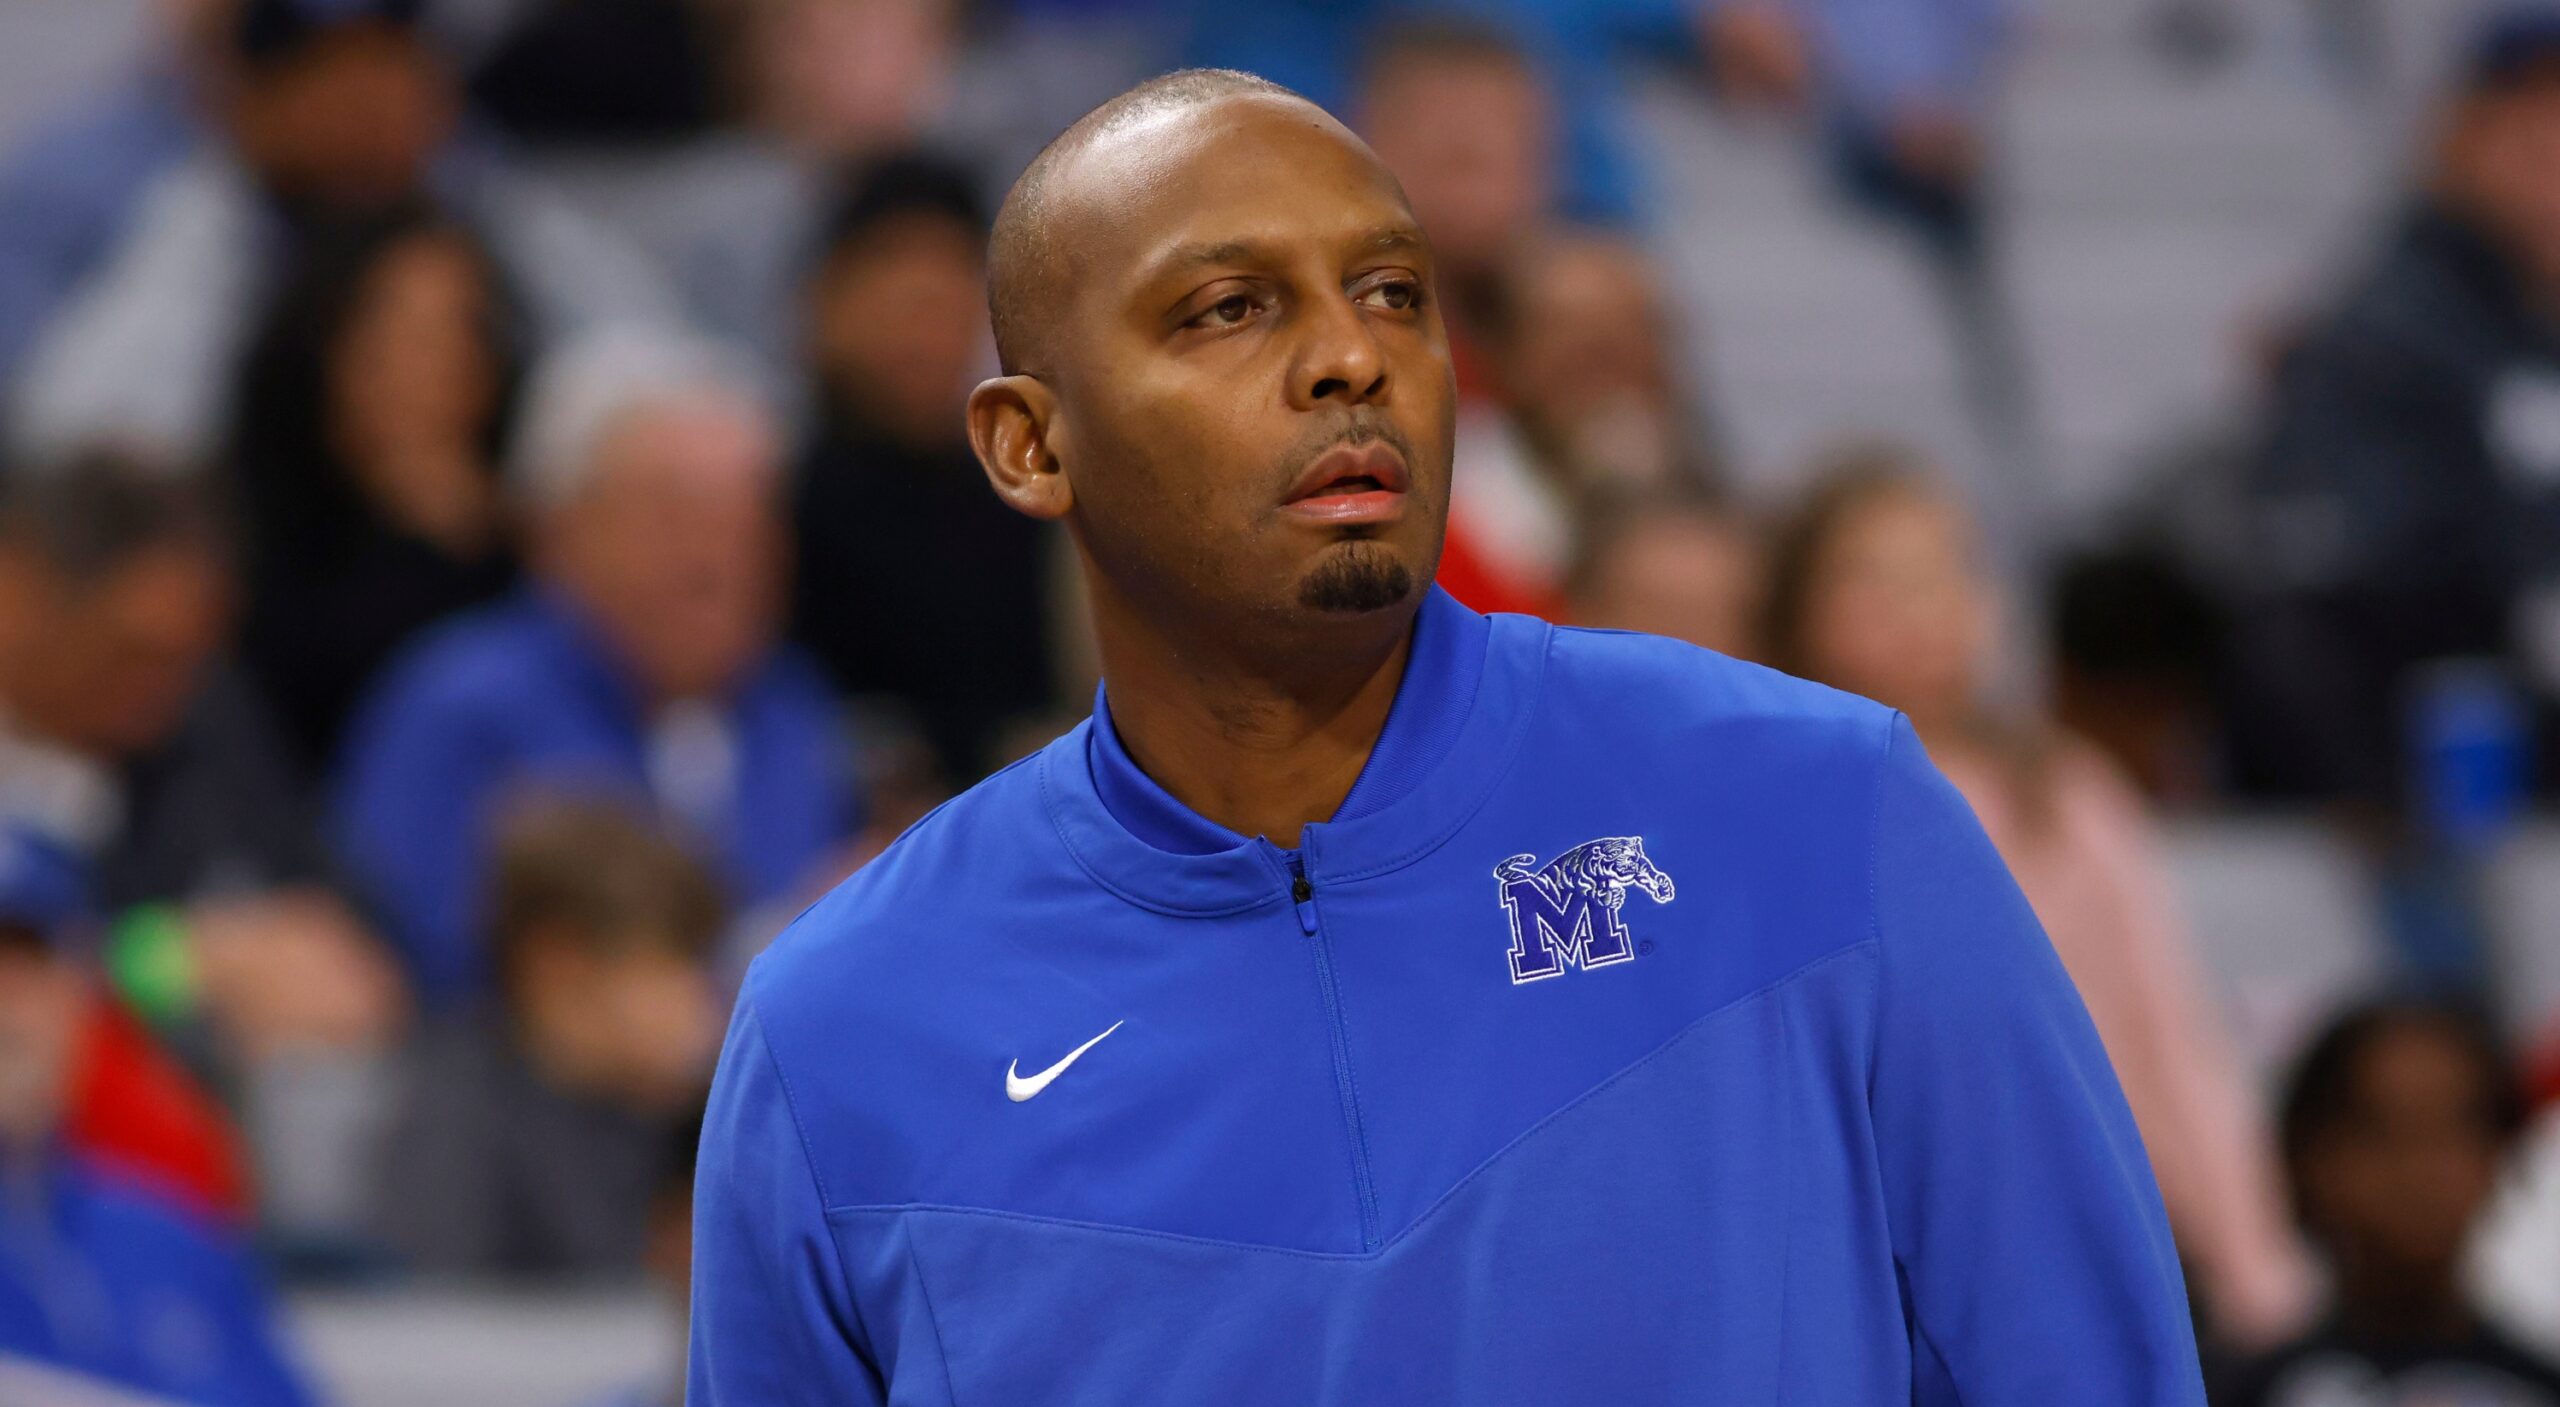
{"x": 486, "y": 535}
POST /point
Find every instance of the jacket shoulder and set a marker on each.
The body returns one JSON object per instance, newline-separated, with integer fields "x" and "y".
{"x": 917, "y": 910}
{"x": 1664, "y": 691}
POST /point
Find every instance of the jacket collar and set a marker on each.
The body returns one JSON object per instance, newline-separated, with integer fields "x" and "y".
{"x": 1459, "y": 709}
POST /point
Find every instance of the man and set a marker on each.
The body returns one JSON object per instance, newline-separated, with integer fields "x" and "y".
{"x": 642, "y": 662}
{"x": 2407, "y": 509}
{"x": 528, "y": 1138}
{"x": 296, "y": 111}
{"x": 1376, "y": 1002}
{"x": 2400, "y": 1121}
{"x": 901, "y": 552}
{"x": 123, "y": 739}
{"x": 101, "y": 1275}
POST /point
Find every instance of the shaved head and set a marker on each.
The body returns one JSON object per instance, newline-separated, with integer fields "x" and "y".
{"x": 1026, "y": 263}
{"x": 1225, "y": 373}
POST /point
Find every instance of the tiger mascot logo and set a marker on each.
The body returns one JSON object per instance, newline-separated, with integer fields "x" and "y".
{"x": 1565, "y": 913}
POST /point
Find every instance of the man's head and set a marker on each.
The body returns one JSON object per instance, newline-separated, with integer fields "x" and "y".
{"x": 1226, "y": 370}
{"x": 603, "y": 931}
{"x": 650, "y": 465}
{"x": 115, "y": 591}
{"x": 896, "y": 300}
{"x": 2500, "y": 156}
{"x": 337, "y": 102}
{"x": 2395, "y": 1125}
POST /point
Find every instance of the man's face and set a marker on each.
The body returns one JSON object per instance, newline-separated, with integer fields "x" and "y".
{"x": 108, "y": 667}
{"x": 2394, "y": 1188}
{"x": 675, "y": 546}
{"x": 1254, "y": 400}
{"x": 351, "y": 120}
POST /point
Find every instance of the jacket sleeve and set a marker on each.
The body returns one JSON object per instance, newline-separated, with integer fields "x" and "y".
{"x": 2035, "y": 1259}
{"x": 774, "y": 1323}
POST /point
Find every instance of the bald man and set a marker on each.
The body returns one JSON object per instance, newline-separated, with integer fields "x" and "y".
{"x": 1374, "y": 1002}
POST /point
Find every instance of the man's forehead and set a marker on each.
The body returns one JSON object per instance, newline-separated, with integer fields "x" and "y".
{"x": 1246, "y": 170}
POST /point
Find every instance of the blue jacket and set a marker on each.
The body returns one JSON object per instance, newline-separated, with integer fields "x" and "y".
{"x": 1655, "y": 1029}
{"x": 107, "y": 1282}
{"x": 523, "y": 694}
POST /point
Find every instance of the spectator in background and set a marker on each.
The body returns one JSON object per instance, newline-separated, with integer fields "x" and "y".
{"x": 320, "y": 108}
{"x": 1672, "y": 564}
{"x": 1461, "y": 115}
{"x": 2396, "y": 1126}
{"x": 364, "y": 453}
{"x": 2407, "y": 508}
{"x": 69, "y": 188}
{"x": 125, "y": 1108}
{"x": 101, "y": 1275}
{"x": 642, "y": 659}
{"x": 123, "y": 739}
{"x": 1330, "y": 50}
{"x": 846, "y": 81}
{"x": 603, "y": 73}
{"x": 1898, "y": 86}
{"x": 913, "y": 581}
{"x": 1876, "y": 587}
{"x": 1586, "y": 360}
{"x": 531, "y": 1134}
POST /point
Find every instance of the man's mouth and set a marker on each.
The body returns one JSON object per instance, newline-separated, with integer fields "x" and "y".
{"x": 1352, "y": 483}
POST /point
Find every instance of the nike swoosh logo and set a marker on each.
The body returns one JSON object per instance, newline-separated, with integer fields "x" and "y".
{"x": 1019, "y": 1089}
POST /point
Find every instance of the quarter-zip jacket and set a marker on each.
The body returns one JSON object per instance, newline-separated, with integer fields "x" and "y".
{"x": 1671, "y": 1035}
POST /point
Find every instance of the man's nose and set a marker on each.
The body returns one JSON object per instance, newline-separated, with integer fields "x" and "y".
{"x": 1340, "y": 362}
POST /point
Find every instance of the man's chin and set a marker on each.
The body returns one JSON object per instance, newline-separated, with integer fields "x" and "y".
{"x": 1357, "y": 578}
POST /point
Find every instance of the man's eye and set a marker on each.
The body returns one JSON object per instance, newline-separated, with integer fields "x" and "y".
{"x": 1397, "y": 295}
{"x": 1228, "y": 311}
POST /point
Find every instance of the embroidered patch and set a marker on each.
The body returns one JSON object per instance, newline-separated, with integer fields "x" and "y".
{"x": 1565, "y": 913}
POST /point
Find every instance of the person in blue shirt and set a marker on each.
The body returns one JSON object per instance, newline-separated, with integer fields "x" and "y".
{"x": 100, "y": 1277}
{"x": 1375, "y": 1002}
{"x": 642, "y": 661}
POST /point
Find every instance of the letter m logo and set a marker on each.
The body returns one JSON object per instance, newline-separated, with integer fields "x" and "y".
{"x": 1565, "y": 914}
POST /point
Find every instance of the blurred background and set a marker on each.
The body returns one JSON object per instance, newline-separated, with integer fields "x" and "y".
{"x": 486, "y": 535}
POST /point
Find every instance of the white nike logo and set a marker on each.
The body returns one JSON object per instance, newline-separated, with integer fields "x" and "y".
{"x": 1019, "y": 1089}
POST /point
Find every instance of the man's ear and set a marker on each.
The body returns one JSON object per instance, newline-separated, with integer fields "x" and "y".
{"x": 1010, "y": 422}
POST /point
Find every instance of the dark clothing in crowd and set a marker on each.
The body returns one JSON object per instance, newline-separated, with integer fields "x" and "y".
{"x": 915, "y": 582}
{"x": 335, "y": 584}
{"x": 2408, "y": 501}
{"x": 332, "y": 599}
{"x": 604, "y": 71}
{"x": 2334, "y": 1367}
{"x": 215, "y": 810}
{"x": 488, "y": 1169}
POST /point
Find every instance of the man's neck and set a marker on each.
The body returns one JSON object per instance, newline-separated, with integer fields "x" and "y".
{"x": 1260, "y": 750}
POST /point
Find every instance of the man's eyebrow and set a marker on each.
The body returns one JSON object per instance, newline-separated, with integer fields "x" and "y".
{"x": 1225, "y": 251}
{"x": 1204, "y": 254}
{"x": 1393, "y": 239}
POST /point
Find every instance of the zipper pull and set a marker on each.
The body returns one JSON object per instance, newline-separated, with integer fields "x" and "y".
{"x": 1302, "y": 891}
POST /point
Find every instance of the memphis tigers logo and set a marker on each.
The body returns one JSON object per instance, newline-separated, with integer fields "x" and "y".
{"x": 1565, "y": 913}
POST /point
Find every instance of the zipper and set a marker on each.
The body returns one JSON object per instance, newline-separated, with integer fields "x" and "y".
{"x": 1302, "y": 892}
